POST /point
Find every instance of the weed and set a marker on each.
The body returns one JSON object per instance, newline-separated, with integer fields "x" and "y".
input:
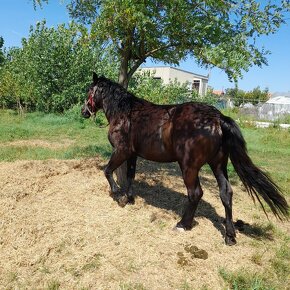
{"x": 60, "y": 248}
{"x": 257, "y": 258}
{"x": 53, "y": 285}
{"x": 93, "y": 263}
{"x": 162, "y": 224}
{"x": 131, "y": 286}
{"x": 185, "y": 286}
{"x": 12, "y": 277}
{"x": 45, "y": 270}
{"x": 273, "y": 277}
{"x": 281, "y": 261}
{"x": 132, "y": 267}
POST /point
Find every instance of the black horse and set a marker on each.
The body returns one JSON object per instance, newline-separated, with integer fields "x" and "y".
{"x": 191, "y": 134}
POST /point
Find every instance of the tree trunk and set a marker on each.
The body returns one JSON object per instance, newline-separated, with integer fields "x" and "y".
{"x": 121, "y": 171}
{"x": 124, "y": 77}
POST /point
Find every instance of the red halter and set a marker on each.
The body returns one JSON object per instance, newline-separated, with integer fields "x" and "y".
{"x": 91, "y": 101}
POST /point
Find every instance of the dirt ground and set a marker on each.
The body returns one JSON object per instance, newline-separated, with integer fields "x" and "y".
{"x": 60, "y": 229}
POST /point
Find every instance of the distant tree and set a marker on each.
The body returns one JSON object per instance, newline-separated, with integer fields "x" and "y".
{"x": 236, "y": 95}
{"x": 257, "y": 95}
{"x": 2, "y": 57}
{"x": 254, "y": 96}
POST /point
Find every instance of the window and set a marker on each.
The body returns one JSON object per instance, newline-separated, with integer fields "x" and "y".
{"x": 196, "y": 85}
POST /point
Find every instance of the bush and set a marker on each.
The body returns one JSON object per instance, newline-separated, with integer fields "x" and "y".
{"x": 53, "y": 68}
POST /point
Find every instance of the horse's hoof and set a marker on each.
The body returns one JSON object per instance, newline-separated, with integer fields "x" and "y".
{"x": 113, "y": 194}
{"x": 131, "y": 200}
{"x": 184, "y": 227}
{"x": 230, "y": 241}
{"x": 178, "y": 229}
{"x": 122, "y": 201}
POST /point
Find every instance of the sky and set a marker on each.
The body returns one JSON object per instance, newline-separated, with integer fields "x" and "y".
{"x": 16, "y": 17}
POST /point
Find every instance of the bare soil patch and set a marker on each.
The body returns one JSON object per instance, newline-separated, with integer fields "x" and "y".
{"x": 58, "y": 226}
{"x": 62, "y": 143}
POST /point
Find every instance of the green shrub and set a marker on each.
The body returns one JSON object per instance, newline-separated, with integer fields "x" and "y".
{"x": 52, "y": 70}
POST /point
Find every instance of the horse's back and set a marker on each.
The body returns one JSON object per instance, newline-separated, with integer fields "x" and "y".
{"x": 167, "y": 133}
{"x": 196, "y": 132}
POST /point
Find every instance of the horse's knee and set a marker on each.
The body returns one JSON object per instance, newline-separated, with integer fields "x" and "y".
{"x": 195, "y": 195}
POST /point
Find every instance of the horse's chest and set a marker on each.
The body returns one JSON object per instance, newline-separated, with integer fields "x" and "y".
{"x": 119, "y": 134}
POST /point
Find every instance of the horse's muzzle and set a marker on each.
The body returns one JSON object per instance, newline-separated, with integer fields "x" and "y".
{"x": 86, "y": 113}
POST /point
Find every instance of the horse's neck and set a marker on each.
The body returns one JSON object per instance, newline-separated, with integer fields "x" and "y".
{"x": 113, "y": 109}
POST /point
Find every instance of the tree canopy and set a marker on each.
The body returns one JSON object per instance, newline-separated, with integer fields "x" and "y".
{"x": 216, "y": 32}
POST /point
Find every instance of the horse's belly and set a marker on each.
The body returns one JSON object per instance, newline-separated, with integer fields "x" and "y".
{"x": 158, "y": 157}
{"x": 155, "y": 142}
{"x": 155, "y": 152}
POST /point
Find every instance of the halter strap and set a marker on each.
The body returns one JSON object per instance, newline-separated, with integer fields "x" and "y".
{"x": 91, "y": 102}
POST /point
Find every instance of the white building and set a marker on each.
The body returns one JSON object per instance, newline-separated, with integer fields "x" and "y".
{"x": 276, "y": 107}
{"x": 170, "y": 74}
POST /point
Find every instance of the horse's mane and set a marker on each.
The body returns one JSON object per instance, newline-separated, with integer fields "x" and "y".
{"x": 118, "y": 99}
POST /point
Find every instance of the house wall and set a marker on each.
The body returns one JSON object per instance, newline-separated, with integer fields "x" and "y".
{"x": 169, "y": 74}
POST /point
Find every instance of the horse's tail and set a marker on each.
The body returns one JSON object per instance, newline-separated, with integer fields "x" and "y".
{"x": 257, "y": 183}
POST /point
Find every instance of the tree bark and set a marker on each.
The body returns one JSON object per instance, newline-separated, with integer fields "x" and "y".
{"x": 121, "y": 171}
{"x": 124, "y": 76}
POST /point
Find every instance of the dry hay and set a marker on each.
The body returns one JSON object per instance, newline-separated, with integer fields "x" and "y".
{"x": 58, "y": 226}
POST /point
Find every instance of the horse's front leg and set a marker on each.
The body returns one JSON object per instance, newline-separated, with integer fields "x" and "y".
{"x": 131, "y": 170}
{"x": 117, "y": 158}
{"x": 128, "y": 197}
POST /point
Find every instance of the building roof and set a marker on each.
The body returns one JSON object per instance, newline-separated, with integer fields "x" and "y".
{"x": 279, "y": 100}
{"x": 218, "y": 92}
{"x": 175, "y": 68}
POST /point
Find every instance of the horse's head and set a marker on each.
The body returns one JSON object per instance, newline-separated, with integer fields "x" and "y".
{"x": 94, "y": 101}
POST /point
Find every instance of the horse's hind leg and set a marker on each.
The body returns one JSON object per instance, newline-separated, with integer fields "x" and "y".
{"x": 194, "y": 191}
{"x": 219, "y": 168}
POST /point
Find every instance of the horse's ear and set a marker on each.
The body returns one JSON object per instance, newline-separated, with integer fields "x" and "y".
{"x": 95, "y": 77}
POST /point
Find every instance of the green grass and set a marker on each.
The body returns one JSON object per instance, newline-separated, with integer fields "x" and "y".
{"x": 87, "y": 139}
{"x": 271, "y": 277}
{"x": 270, "y": 149}
{"x": 244, "y": 280}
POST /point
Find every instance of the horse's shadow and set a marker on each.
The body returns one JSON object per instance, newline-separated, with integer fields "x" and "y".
{"x": 172, "y": 201}
{"x": 159, "y": 196}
